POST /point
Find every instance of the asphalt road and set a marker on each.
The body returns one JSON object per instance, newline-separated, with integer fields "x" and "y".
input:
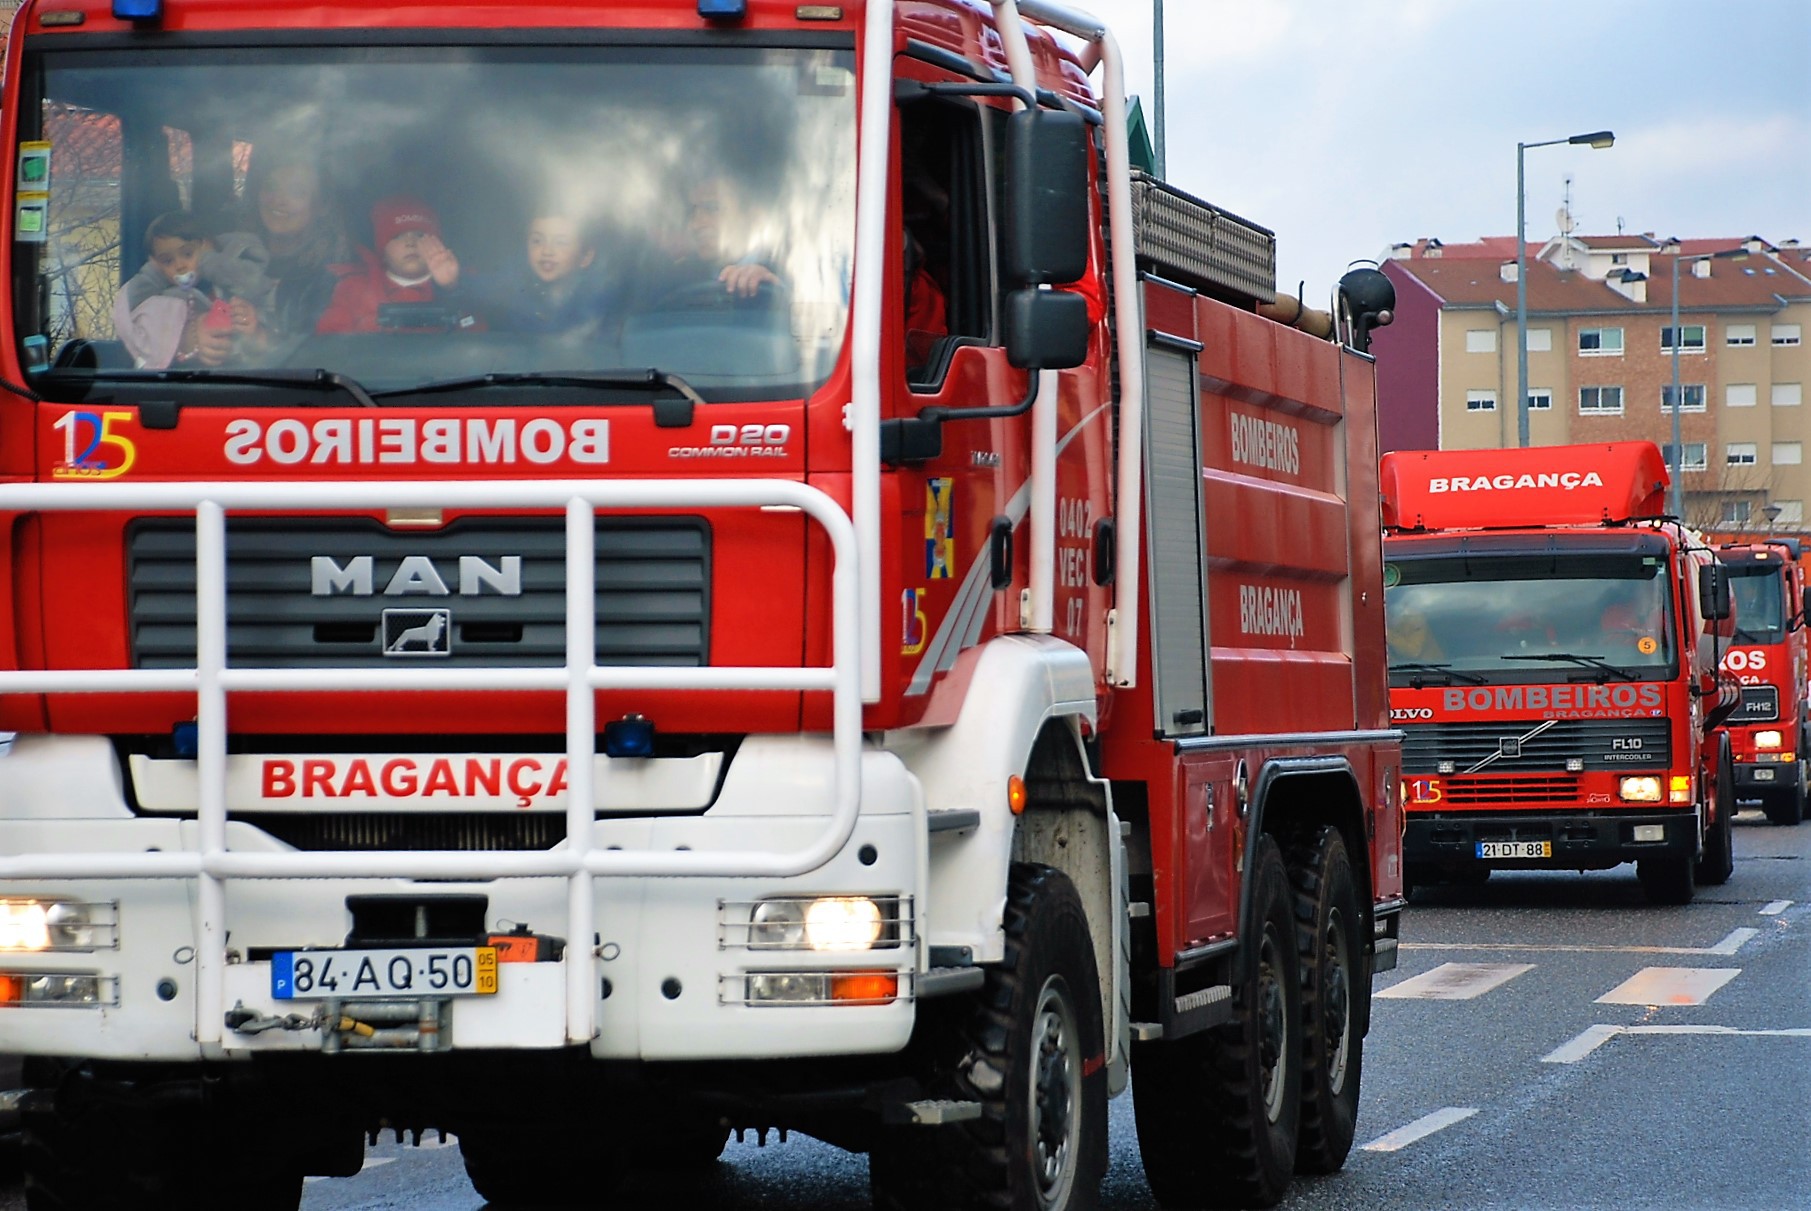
{"x": 1550, "y": 1041}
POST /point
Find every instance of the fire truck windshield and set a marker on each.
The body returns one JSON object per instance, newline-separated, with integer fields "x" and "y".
{"x": 1472, "y": 614}
{"x": 409, "y": 215}
{"x": 1760, "y": 604}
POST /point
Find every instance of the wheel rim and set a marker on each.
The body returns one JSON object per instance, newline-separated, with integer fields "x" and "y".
{"x": 1273, "y": 1026}
{"x": 1336, "y": 997}
{"x": 1056, "y": 1077}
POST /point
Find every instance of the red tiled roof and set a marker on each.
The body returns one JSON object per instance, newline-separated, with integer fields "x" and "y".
{"x": 1476, "y": 282}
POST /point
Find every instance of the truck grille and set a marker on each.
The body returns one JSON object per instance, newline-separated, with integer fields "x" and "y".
{"x": 410, "y": 831}
{"x": 501, "y": 584}
{"x": 1494, "y": 792}
{"x": 1601, "y": 744}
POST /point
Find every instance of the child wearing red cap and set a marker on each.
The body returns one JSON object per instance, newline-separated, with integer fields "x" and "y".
{"x": 411, "y": 266}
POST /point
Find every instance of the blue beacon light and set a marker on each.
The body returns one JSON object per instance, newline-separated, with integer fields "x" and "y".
{"x": 723, "y": 10}
{"x": 147, "y": 11}
{"x": 630, "y": 736}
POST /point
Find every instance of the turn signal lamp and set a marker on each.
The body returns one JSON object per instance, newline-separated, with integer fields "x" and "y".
{"x": 57, "y": 988}
{"x": 1639, "y": 789}
{"x": 138, "y": 10}
{"x": 1680, "y": 789}
{"x": 1771, "y": 738}
{"x": 1016, "y": 795}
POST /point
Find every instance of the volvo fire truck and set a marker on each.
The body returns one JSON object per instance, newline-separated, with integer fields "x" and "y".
{"x": 1767, "y": 733}
{"x": 1554, "y": 650}
{"x": 901, "y": 654}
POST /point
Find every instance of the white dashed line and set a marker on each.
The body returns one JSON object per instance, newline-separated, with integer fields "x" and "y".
{"x": 1727, "y": 946}
{"x": 1670, "y": 986}
{"x": 1456, "y": 981}
{"x": 1734, "y": 942}
{"x": 1421, "y": 1128}
{"x": 1776, "y": 908}
{"x": 1590, "y": 1040}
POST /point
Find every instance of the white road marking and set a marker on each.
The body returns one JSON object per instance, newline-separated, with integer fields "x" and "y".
{"x": 1735, "y": 941}
{"x": 1590, "y": 1040}
{"x": 1594, "y": 1037}
{"x": 1421, "y": 1128}
{"x": 1776, "y": 908}
{"x": 1456, "y": 981}
{"x": 1670, "y": 986}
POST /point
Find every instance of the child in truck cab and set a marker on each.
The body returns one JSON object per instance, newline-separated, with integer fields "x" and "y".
{"x": 411, "y": 266}
{"x": 181, "y": 306}
{"x": 557, "y": 290}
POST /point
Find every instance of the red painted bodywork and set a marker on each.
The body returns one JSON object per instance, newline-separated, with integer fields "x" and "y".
{"x": 1782, "y": 665}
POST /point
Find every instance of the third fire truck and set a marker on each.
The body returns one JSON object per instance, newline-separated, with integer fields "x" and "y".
{"x": 1767, "y": 733}
{"x": 1554, "y": 643}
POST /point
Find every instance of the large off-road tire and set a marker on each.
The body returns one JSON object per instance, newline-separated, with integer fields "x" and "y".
{"x": 1668, "y": 880}
{"x": 1032, "y": 1053}
{"x": 1218, "y": 1112}
{"x": 92, "y": 1145}
{"x": 1335, "y": 985}
{"x": 541, "y": 1169}
{"x": 1718, "y": 861}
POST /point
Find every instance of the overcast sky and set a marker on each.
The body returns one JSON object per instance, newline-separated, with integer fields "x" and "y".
{"x": 1346, "y": 126}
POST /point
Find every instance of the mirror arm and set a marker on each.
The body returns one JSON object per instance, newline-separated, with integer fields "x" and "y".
{"x": 914, "y": 439}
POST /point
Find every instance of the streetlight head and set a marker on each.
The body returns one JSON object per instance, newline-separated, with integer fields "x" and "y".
{"x": 1597, "y": 138}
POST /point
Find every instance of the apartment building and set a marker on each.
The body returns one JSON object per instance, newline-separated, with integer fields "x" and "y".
{"x": 1601, "y": 358}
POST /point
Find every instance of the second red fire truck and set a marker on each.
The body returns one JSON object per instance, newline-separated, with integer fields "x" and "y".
{"x": 1554, "y": 647}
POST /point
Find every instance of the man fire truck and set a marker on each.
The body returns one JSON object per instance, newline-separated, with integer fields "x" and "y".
{"x": 1553, "y": 664}
{"x": 687, "y": 700}
{"x": 1767, "y": 733}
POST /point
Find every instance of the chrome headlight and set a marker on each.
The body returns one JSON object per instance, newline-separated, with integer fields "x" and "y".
{"x": 1771, "y": 738}
{"x": 1639, "y": 789}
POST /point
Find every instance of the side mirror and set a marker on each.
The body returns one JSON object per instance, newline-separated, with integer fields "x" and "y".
{"x": 1713, "y": 593}
{"x": 1804, "y": 605}
{"x": 1047, "y": 236}
{"x": 1046, "y": 329}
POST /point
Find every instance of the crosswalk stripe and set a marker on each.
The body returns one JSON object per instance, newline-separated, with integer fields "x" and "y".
{"x": 1456, "y": 981}
{"x": 1669, "y": 986}
{"x": 1588, "y": 1040}
{"x": 1421, "y": 1128}
{"x": 1776, "y": 908}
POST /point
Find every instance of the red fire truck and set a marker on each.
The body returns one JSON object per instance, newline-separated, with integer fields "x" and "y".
{"x": 807, "y": 595}
{"x": 1553, "y": 665}
{"x": 1767, "y": 733}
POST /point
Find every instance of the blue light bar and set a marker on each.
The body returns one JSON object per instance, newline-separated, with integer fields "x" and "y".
{"x": 185, "y": 740}
{"x": 138, "y": 10}
{"x": 720, "y": 10}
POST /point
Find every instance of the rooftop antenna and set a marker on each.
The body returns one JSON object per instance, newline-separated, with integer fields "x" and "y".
{"x": 1618, "y": 224}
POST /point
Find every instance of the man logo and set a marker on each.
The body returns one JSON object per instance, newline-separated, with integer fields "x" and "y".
{"x": 418, "y": 632}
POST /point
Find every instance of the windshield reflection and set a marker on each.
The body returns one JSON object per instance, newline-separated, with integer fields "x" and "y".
{"x": 414, "y": 214}
{"x": 1760, "y": 605}
{"x": 1486, "y": 617}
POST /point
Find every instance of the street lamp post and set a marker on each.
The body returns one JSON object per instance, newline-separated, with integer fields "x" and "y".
{"x": 1597, "y": 138}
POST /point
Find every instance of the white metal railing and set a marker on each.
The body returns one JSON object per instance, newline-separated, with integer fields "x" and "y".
{"x": 580, "y": 860}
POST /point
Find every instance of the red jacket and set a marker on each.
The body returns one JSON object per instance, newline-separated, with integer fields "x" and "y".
{"x": 353, "y": 307}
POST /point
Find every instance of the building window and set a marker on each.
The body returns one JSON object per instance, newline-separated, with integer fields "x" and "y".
{"x": 1739, "y": 454}
{"x": 1601, "y": 342}
{"x": 1480, "y": 401}
{"x": 1738, "y": 334}
{"x": 1619, "y": 258}
{"x": 1600, "y": 400}
{"x": 1788, "y": 454}
{"x": 1739, "y": 395}
{"x": 1694, "y": 458}
{"x": 1691, "y": 337}
{"x": 1693, "y": 394}
{"x": 1792, "y": 512}
{"x": 1480, "y": 340}
{"x": 1540, "y": 340}
{"x": 1539, "y": 399}
{"x": 1735, "y": 512}
{"x": 1787, "y": 395}
{"x": 1785, "y": 334}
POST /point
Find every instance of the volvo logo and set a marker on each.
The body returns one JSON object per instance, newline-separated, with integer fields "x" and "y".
{"x": 414, "y": 576}
{"x": 418, "y": 632}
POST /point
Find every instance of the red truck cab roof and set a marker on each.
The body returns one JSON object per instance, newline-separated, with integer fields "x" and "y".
{"x": 1541, "y": 486}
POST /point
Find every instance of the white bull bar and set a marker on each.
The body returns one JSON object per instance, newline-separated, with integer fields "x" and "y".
{"x": 580, "y": 860}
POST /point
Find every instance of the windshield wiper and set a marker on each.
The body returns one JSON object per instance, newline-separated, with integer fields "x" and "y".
{"x": 651, "y": 379}
{"x": 1437, "y": 669}
{"x": 1589, "y": 662}
{"x": 306, "y": 380}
